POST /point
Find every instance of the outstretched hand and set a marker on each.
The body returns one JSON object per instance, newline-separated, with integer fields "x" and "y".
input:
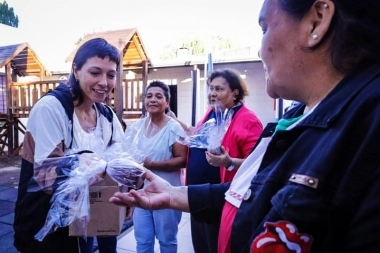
{"x": 154, "y": 196}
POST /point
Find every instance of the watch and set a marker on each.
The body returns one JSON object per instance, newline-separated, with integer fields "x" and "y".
{"x": 232, "y": 165}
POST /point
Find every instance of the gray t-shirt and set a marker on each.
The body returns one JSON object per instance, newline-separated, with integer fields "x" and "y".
{"x": 157, "y": 144}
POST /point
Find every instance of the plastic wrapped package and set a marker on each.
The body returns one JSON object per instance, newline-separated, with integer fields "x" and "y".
{"x": 210, "y": 134}
{"x": 70, "y": 200}
{"x": 199, "y": 138}
{"x": 124, "y": 164}
{"x": 126, "y": 171}
{"x": 214, "y": 139}
{"x": 69, "y": 177}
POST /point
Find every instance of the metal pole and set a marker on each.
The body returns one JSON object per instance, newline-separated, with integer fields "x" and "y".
{"x": 194, "y": 78}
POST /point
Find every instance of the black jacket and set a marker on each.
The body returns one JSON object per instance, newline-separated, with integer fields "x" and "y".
{"x": 338, "y": 146}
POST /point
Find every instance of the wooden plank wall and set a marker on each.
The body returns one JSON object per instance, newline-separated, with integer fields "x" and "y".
{"x": 25, "y": 95}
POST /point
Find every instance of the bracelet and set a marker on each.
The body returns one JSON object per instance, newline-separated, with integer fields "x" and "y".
{"x": 232, "y": 165}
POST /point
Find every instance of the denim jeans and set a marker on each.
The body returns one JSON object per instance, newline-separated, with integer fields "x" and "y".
{"x": 160, "y": 224}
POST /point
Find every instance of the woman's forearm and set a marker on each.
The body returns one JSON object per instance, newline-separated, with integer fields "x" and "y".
{"x": 238, "y": 162}
{"x": 170, "y": 165}
{"x": 179, "y": 199}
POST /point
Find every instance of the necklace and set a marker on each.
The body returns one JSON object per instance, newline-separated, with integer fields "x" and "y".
{"x": 87, "y": 120}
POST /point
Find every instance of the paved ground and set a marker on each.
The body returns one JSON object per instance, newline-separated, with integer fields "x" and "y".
{"x": 9, "y": 175}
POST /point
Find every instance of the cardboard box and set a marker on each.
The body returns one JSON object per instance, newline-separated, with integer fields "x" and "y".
{"x": 105, "y": 218}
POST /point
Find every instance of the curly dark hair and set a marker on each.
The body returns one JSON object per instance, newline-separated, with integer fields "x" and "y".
{"x": 234, "y": 82}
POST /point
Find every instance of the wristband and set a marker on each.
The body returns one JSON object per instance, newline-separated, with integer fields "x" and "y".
{"x": 232, "y": 165}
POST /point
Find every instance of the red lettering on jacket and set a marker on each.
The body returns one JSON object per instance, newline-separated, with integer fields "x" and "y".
{"x": 281, "y": 237}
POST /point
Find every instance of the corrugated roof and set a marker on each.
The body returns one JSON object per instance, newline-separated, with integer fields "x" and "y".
{"x": 127, "y": 41}
{"x": 22, "y": 58}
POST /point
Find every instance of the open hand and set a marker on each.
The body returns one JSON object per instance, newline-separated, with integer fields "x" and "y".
{"x": 156, "y": 195}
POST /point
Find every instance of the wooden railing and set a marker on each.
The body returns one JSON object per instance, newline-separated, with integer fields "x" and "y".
{"x": 132, "y": 91}
{"x": 25, "y": 95}
{"x": 4, "y": 124}
{"x": 10, "y": 128}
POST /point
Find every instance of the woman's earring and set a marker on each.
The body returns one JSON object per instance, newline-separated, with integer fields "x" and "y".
{"x": 315, "y": 36}
{"x": 325, "y": 6}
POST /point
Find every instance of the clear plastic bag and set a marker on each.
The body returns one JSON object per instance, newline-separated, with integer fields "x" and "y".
{"x": 70, "y": 200}
{"x": 133, "y": 136}
{"x": 69, "y": 178}
{"x": 214, "y": 139}
{"x": 210, "y": 134}
{"x": 199, "y": 138}
{"x": 126, "y": 171}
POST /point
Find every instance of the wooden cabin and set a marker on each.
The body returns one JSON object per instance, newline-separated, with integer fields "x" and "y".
{"x": 19, "y": 60}
{"x": 18, "y": 98}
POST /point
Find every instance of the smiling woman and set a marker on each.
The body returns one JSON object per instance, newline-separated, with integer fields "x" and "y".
{"x": 96, "y": 79}
{"x": 156, "y": 137}
{"x": 91, "y": 125}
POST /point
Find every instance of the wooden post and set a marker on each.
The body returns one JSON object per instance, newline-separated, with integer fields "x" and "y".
{"x": 15, "y": 136}
{"x": 118, "y": 94}
{"x": 42, "y": 73}
{"x": 8, "y": 81}
{"x": 145, "y": 83}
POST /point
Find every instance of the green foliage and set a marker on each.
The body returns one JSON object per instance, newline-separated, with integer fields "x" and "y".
{"x": 196, "y": 47}
{"x": 7, "y": 15}
{"x": 169, "y": 52}
{"x": 79, "y": 40}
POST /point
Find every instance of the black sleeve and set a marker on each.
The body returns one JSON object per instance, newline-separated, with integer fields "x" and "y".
{"x": 366, "y": 221}
{"x": 206, "y": 201}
